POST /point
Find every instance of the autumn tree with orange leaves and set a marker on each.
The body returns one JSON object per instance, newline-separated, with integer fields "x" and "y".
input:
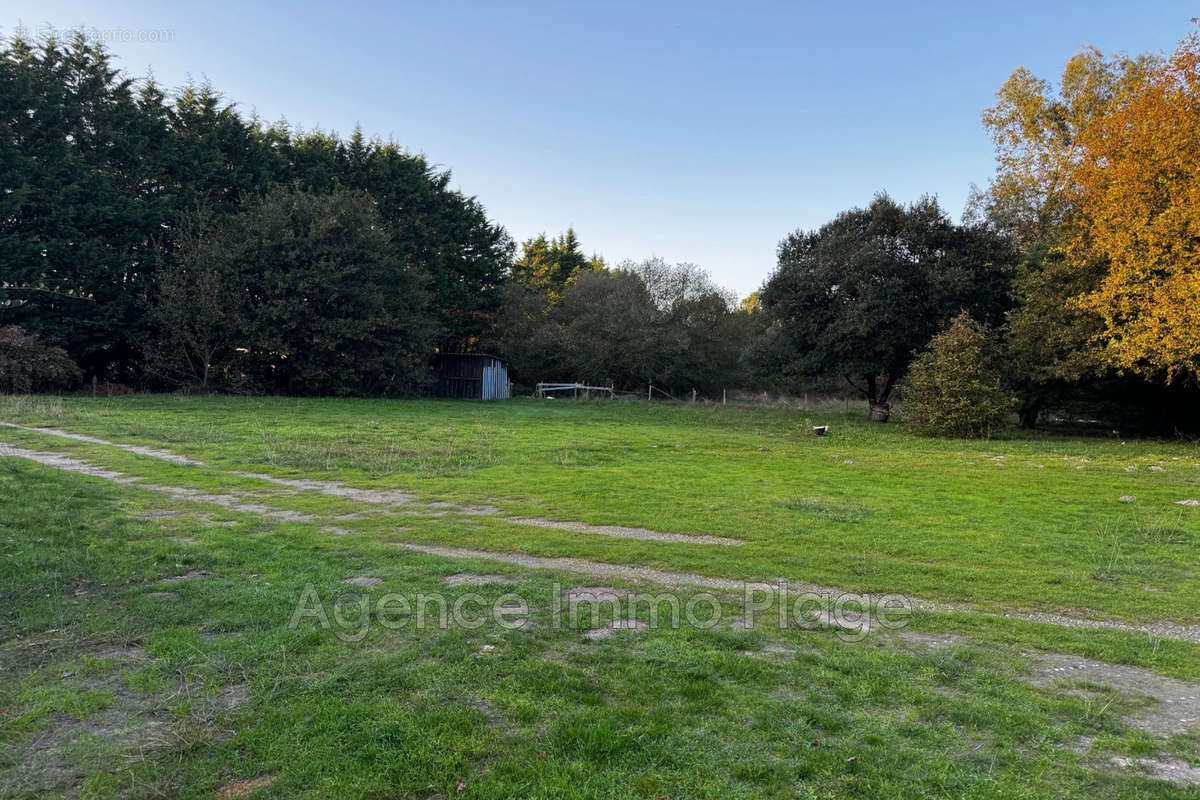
{"x": 1136, "y": 198}
{"x": 1037, "y": 126}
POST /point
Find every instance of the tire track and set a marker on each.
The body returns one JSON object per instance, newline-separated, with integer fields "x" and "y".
{"x": 152, "y": 452}
{"x": 230, "y": 502}
{"x": 394, "y": 497}
{"x": 598, "y": 569}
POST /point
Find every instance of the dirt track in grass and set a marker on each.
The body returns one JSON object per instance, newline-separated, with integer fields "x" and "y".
{"x": 230, "y": 502}
{"x": 1176, "y": 706}
{"x": 152, "y": 452}
{"x": 622, "y": 532}
{"x": 596, "y": 569}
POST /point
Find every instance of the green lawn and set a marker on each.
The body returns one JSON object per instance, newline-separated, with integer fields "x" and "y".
{"x": 1034, "y": 523}
{"x": 188, "y": 694}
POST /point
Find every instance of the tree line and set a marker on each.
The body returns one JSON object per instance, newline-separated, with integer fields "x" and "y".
{"x": 566, "y": 316}
{"x": 306, "y": 255}
{"x": 164, "y": 240}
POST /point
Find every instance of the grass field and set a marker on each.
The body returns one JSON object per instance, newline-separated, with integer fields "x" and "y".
{"x": 120, "y": 681}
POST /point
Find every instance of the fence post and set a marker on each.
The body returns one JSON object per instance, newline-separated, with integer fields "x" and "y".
{"x": 724, "y": 393}
{"x": 650, "y": 392}
{"x": 693, "y": 395}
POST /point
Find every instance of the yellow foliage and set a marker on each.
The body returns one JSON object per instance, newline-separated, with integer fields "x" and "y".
{"x": 1137, "y": 204}
{"x": 1036, "y": 126}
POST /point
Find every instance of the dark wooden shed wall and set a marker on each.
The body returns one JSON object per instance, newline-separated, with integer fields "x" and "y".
{"x": 469, "y": 376}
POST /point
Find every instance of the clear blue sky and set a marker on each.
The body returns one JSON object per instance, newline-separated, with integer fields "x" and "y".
{"x": 693, "y": 131}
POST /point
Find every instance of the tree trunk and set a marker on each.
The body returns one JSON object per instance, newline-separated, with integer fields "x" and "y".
{"x": 1028, "y": 414}
{"x": 879, "y": 409}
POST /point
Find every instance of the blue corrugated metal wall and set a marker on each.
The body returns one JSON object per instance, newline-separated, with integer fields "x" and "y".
{"x": 495, "y": 382}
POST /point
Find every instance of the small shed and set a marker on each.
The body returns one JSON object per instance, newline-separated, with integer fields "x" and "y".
{"x": 471, "y": 376}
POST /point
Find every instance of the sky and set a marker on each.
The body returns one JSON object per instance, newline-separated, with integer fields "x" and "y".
{"x": 692, "y": 131}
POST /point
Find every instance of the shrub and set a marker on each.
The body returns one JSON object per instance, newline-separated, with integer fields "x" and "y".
{"x": 955, "y": 387}
{"x": 27, "y": 364}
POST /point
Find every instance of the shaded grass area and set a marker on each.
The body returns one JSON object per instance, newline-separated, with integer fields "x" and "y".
{"x": 139, "y": 687}
{"x": 1029, "y": 522}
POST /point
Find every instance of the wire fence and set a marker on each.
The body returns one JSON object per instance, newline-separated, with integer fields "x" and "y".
{"x": 652, "y": 393}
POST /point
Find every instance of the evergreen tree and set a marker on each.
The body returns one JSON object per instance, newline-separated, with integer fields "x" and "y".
{"x": 73, "y": 217}
{"x": 548, "y": 265}
{"x": 101, "y": 170}
{"x": 440, "y": 230}
{"x": 298, "y": 293}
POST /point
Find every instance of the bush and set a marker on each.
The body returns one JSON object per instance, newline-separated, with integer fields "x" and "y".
{"x": 955, "y": 388}
{"x": 27, "y": 364}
